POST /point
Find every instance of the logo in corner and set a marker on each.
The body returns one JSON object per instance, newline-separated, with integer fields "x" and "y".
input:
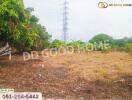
{"x": 102, "y": 5}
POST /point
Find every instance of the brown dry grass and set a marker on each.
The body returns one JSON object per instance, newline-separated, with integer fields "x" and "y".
{"x": 86, "y": 75}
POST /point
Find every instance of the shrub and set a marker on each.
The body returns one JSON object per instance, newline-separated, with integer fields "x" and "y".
{"x": 76, "y": 44}
{"x": 129, "y": 47}
{"x": 102, "y": 38}
{"x": 57, "y": 44}
{"x": 90, "y": 46}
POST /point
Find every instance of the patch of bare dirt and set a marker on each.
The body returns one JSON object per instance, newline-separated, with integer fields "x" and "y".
{"x": 87, "y": 76}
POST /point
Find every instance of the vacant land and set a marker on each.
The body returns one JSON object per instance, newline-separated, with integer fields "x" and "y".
{"x": 84, "y": 76}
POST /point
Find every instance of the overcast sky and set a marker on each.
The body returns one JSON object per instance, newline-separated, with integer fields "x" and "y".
{"x": 85, "y": 18}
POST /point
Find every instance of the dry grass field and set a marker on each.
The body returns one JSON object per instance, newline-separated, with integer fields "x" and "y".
{"x": 84, "y": 76}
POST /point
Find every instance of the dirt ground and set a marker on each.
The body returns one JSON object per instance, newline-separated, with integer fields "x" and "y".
{"x": 84, "y": 76}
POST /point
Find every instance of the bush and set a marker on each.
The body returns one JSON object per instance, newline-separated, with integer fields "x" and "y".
{"x": 106, "y": 50}
{"x": 129, "y": 47}
{"x": 90, "y": 46}
{"x": 102, "y": 38}
{"x": 76, "y": 44}
{"x": 57, "y": 44}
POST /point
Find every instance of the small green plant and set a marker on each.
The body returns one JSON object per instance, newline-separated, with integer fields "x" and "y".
{"x": 90, "y": 46}
{"x": 57, "y": 44}
{"x": 129, "y": 47}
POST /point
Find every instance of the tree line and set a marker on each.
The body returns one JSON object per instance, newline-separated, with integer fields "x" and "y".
{"x": 100, "y": 41}
{"x": 22, "y": 31}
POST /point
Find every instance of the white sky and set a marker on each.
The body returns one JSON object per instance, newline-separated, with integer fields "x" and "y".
{"x": 85, "y": 18}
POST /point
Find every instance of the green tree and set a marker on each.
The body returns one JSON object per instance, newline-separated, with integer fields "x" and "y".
{"x": 102, "y": 42}
{"x": 19, "y": 27}
{"x": 121, "y": 42}
{"x": 102, "y": 38}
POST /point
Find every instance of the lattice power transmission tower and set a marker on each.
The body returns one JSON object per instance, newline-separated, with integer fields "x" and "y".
{"x": 65, "y": 20}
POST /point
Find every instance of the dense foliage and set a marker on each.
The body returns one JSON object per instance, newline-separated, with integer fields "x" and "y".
{"x": 19, "y": 28}
{"x": 129, "y": 47}
{"x": 102, "y": 38}
{"x": 57, "y": 44}
{"x": 118, "y": 44}
{"x": 100, "y": 42}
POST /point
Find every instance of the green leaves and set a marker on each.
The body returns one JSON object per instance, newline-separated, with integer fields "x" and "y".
{"x": 19, "y": 27}
{"x": 13, "y": 13}
{"x": 129, "y": 47}
{"x": 102, "y": 38}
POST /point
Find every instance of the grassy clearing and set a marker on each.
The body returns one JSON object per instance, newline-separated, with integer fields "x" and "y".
{"x": 96, "y": 74}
